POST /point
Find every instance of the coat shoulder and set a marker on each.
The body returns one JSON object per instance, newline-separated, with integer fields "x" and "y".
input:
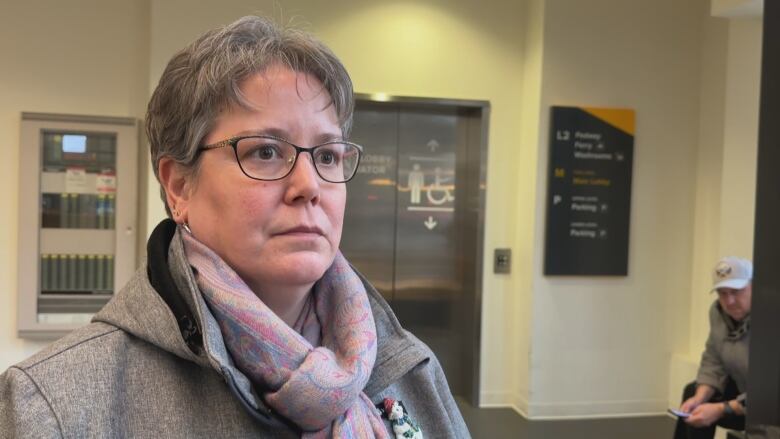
{"x": 89, "y": 337}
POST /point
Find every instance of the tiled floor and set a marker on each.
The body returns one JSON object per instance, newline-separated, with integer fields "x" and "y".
{"x": 501, "y": 423}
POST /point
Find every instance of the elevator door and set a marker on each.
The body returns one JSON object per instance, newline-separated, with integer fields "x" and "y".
{"x": 407, "y": 227}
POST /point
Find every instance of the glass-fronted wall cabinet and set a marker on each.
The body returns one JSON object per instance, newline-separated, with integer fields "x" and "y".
{"x": 77, "y": 218}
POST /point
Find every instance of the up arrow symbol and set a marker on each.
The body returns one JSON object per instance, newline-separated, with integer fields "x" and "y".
{"x": 430, "y": 223}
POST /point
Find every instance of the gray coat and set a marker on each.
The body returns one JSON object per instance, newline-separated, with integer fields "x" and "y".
{"x": 136, "y": 371}
{"x": 725, "y": 354}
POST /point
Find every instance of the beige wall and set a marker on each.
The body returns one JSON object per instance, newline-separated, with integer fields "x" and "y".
{"x": 551, "y": 346}
{"x": 740, "y": 137}
{"x": 520, "y": 311}
{"x": 737, "y": 8}
{"x": 79, "y": 57}
{"x": 600, "y": 345}
{"x": 726, "y": 173}
{"x": 706, "y": 219}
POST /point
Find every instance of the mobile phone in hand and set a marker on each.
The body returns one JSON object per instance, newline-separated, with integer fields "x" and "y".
{"x": 679, "y": 413}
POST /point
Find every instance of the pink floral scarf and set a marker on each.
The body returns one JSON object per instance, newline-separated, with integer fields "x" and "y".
{"x": 318, "y": 387}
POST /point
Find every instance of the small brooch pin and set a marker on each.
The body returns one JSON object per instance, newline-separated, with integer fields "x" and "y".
{"x": 403, "y": 426}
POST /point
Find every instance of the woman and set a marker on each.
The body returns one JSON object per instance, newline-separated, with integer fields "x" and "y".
{"x": 718, "y": 397}
{"x": 246, "y": 320}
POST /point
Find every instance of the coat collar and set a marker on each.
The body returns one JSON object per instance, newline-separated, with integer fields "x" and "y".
{"x": 162, "y": 305}
{"x": 735, "y": 330}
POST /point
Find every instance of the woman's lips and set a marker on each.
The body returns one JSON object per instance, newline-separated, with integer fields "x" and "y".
{"x": 302, "y": 230}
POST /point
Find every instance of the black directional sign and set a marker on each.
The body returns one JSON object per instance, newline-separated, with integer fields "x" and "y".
{"x": 589, "y": 191}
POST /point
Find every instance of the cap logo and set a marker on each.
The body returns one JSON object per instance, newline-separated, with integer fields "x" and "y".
{"x": 723, "y": 270}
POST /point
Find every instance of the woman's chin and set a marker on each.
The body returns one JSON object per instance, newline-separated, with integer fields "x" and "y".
{"x": 303, "y": 267}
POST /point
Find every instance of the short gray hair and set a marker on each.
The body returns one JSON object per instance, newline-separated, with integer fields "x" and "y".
{"x": 204, "y": 78}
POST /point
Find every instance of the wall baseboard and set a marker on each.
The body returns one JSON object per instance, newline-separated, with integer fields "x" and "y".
{"x": 597, "y": 409}
{"x": 512, "y": 400}
{"x": 573, "y": 410}
{"x": 494, "y": 399}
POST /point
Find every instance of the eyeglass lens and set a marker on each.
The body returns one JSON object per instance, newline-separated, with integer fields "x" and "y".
{"x": 269, "y": 159}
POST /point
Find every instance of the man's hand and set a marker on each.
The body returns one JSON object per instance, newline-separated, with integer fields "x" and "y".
{"x": 705, "y": 415}
{"x": 690, "y": 404}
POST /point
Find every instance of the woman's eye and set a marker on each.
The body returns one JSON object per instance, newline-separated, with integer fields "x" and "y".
{"x": 327, "y": 157}
{"x": 264, "y": 152}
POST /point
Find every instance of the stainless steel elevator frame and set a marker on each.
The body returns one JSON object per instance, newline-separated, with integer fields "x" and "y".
{"x": 471, "y": 174}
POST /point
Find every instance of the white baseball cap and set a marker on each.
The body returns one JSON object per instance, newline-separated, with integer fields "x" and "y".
{"x": 732, "y": 272}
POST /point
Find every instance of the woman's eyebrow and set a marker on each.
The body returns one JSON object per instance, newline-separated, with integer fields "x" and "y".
{"x": 329, "y": 137}
{"x": 275, "y": 132}
{"x": 282, "y": 134}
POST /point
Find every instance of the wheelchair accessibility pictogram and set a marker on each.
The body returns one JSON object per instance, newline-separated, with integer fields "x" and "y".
{"x": 439, "y": 187}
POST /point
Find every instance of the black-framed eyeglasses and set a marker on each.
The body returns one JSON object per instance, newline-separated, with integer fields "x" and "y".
{"x": 271, "y": 158}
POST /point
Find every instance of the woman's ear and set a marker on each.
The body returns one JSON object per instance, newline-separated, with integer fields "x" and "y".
{"x": 177, "y": 188}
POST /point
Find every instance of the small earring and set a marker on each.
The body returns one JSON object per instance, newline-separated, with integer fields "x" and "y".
{"x": 186, "y": 227}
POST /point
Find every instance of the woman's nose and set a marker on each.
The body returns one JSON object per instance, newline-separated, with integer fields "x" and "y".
{"x": 303, "y": 182}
